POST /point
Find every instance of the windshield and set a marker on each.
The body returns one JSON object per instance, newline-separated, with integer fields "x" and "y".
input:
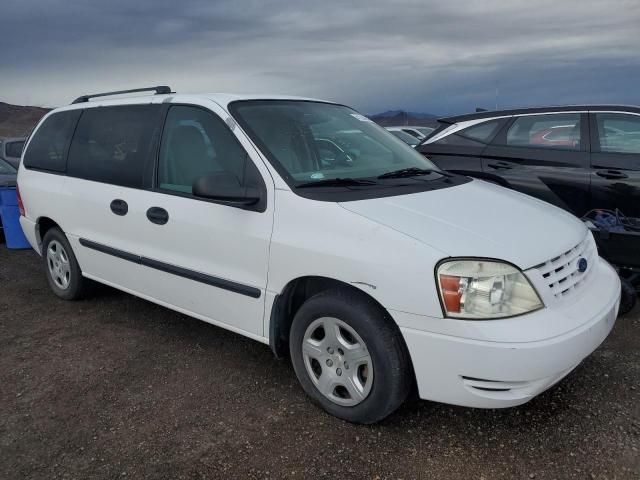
{"x": 313, "y": 141}
{"x": 6, "y": 168}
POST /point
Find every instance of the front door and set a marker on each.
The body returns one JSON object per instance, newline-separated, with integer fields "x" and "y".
{"x": 205, "y": 258}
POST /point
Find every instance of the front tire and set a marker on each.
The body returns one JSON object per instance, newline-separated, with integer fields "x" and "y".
{"x": 628, "y": 297}
{"x": 61, "y": 267}
{"x": 349, "y": 356}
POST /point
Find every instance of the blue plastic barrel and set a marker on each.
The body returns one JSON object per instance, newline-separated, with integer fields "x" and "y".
{"x": 10, "y": 216}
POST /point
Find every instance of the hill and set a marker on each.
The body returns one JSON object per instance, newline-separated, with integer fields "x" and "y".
{"x": 17, "y": 120}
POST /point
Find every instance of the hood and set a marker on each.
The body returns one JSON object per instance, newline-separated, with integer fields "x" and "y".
{"x": 478, "y": 219}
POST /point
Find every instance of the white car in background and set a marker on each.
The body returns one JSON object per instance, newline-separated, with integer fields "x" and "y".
{"x": 418, "y": 132}
{"x": 369, "y": 266}
{"x": 404, "y": 136}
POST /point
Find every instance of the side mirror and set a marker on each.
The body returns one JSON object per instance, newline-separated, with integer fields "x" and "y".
{"x": 225, "y": 187}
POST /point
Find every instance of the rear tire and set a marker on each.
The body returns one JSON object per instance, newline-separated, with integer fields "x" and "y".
{"x": 61, "y": 267}
{"x": 349, "y": 356}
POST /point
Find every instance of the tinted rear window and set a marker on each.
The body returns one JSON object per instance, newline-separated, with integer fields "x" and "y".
{"x": 112, "y": 144}
{"x": 50, "y": 142}
{"x": 14, "y": 149}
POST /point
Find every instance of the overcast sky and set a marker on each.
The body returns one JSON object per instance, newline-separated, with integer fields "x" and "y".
{"x": 439, "y": 56}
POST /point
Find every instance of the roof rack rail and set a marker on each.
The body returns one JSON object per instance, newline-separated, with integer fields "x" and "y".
{"x": 160, "y": 90}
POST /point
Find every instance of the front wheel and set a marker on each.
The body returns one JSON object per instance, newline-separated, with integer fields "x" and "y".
{"x": 628, "y": 297}
{"x": 350, "y": 356}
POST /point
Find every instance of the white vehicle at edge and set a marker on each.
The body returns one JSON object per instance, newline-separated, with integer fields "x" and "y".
{"x": 367, "y": 265}
{"x": 419, "y": 132}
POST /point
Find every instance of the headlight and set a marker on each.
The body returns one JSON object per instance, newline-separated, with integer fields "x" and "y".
{"x": 484, "y": 289}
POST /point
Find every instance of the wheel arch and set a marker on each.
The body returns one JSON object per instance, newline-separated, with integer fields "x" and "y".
{"x": 291, "y": 298}
{"x": 43, "y": 225}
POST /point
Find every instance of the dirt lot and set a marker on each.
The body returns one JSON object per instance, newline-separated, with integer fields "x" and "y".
{"x": 116, "y": 387}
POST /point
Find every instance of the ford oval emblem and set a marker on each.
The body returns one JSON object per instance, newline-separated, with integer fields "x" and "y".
{"x": 582, "y": 265}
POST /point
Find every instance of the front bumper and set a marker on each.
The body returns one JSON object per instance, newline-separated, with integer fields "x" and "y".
{"x": 482, "y": 373}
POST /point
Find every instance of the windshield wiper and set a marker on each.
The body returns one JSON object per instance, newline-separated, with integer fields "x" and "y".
{"x": 337, "y": 182}
{"x": 407, "y": 172}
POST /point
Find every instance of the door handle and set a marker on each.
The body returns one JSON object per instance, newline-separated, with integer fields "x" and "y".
{"x": 500, "y": 166}
{"x": 611, "y": 174}
{"x": 158, "y": 215}
{"x": 119, "y": 207}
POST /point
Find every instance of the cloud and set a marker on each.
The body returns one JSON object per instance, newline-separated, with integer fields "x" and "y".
{"x": 443, "y": 57}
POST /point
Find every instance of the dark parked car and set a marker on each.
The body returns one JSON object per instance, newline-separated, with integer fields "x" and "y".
{"x": 577, "y": 157}
{"x": 11, "y": 150}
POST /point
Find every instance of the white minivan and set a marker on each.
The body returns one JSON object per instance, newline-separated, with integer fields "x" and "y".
{"x": 305, "y": 226}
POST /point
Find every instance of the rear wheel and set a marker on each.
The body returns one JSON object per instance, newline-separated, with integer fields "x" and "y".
{"x": 349, "y": 356}
{"x": 61, "y": 267}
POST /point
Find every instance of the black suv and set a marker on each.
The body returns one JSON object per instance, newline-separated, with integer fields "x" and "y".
{"x": 576, "y": 157}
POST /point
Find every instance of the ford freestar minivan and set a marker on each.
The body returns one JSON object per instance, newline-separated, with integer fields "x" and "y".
{"x": 303, "y": 225}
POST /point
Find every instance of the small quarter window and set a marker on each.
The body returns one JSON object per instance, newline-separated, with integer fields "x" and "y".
{"x": 48, "y": 147}
{"x": 561, "y": 131}
{"x": 618, "y": 132}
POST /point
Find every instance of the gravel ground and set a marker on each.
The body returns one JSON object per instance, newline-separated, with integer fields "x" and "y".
{"x": 116, "y": 387}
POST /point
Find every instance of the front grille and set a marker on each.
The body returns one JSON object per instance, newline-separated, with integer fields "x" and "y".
{"x": 561, "y": 273}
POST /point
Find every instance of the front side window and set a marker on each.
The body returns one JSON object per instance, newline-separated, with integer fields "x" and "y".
{"x": 112, "y": 144}
{"x": 14, "y": 149}
{"x": 560, "y": 131}
{"x": 310, "y": 142}
{"x": 48, "y": 147}
{"x": 195, "y": 143}
{"x": 618, "y": 132}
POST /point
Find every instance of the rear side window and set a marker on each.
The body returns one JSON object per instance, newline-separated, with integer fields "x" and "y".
{"x": 14, "y": 149}
{"x": 49, "y": 145}
{"x": 474, "y": 136}
{"x": 618, "y": 132}
{"x": 112, "y": 144}
{"x": 546, "y": 131}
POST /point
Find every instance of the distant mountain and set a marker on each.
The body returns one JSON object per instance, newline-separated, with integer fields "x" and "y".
{"x": 18, "y": 120}
{"x": 392, "y": 118}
